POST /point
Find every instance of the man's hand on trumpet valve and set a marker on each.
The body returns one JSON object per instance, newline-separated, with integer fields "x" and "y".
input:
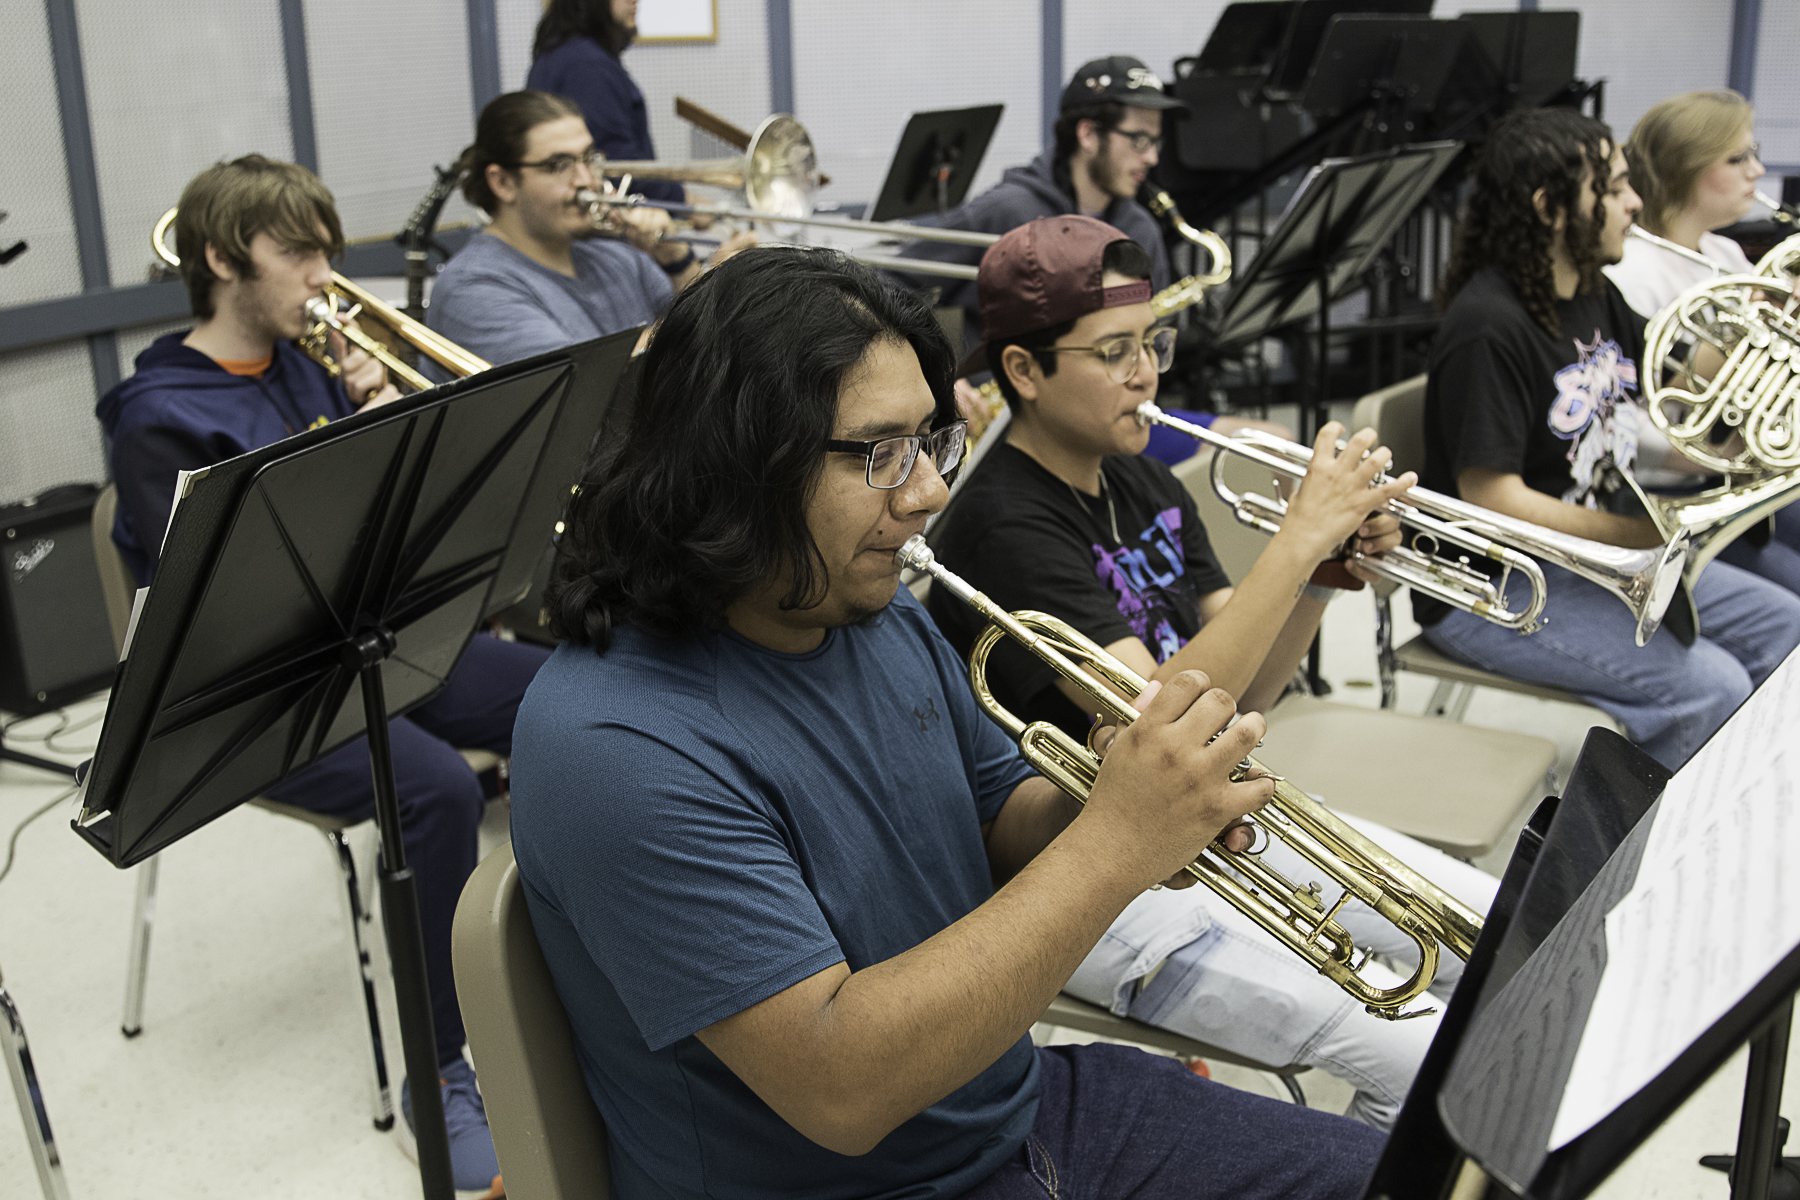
{"x": 363, "y": 376}
{"x": 1165, "y": 788}
{"x": 1340, "y": 498}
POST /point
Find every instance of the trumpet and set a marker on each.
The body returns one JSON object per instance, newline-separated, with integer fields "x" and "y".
{"x": 326, "y": 315}
{"x": 1296, "y": 916}
{"x": 1645, "y": 580}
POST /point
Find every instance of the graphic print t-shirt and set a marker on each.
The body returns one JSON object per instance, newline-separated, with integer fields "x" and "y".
{"x": 1028, "y": 540}
{"x": 1505, "y": 396}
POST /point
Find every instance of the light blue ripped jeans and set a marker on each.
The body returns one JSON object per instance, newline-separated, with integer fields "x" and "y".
{"x": 1225, "y": 982}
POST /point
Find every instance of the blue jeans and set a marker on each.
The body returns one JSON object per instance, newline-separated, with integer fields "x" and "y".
{"x": 1669, "y": 697}
{"x": 440, "y": 798}
{"x": 1116, "y": 1121}
{"x": 1779, "y": 560}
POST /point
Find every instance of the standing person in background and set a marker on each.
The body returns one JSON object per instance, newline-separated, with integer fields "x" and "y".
{"x": 577, "y": 53}
{"x": 1693, "y": 160}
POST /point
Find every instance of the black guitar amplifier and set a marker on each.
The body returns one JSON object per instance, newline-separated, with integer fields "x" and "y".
{"x": 55, "y": 641}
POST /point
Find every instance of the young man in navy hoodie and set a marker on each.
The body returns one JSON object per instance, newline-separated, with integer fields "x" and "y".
{"x": 255, "y": 238}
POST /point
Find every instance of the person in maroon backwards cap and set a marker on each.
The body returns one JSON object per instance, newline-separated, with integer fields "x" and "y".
{"x": 1068, "y": 517}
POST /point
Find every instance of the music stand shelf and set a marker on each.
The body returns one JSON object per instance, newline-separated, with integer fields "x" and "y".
{"x": 358, "y": 557}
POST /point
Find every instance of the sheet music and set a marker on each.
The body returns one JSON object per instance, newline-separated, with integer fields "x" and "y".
{"x": 1712, "y": 910}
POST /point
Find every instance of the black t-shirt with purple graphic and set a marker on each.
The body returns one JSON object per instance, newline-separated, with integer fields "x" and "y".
{"x": 1029, "y": 540}
{"x": 1503, "y": 395}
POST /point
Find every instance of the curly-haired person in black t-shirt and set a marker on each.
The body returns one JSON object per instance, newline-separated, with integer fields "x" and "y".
{"x": 1526, "y": 412}
{"x": 1070, "y": 518}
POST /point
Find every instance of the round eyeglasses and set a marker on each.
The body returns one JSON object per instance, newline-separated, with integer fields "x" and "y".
{"x": 1120, "y": 354}
{"x": 891, "y": 459}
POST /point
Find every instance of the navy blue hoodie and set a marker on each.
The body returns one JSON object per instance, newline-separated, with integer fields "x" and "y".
{"x": 1024, "y": 194}
{"x": 183, "y": 411}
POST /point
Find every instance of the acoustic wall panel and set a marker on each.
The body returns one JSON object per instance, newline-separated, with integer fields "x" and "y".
{"x": 861, "y": 69}
{"x": 391, "y": 98}
{"x": 515, "y": 22}
{"x": 1777, "y": 89}
{"x": 48, "y": 435}
{"x": 1649, "y": 50}
{"x": 172, "y": 88}
{"x": 729, "y": 77}
{"x": 132, "y": 342}
{"x": 34, "y": 188}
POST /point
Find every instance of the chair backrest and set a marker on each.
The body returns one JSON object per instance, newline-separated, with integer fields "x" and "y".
{"x": 116, "y": 583}
{"x": 548, "y": 1135}
{"x": 1397, "y": 415}
{"x": 1234, "y": 544}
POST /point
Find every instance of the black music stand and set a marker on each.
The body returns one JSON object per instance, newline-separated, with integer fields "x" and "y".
{"x": 1534, "y": 51}
{"x": 1345, "y": 212}
{"x": 1512, "y": 1035}
{"x": 936, "y": 161}
{"x": 360, "y": 556}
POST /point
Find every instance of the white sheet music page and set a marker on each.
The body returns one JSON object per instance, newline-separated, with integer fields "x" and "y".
{"x": 1712, "y": 910}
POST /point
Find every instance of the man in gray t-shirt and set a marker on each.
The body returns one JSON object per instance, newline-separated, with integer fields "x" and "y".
{"x": 537, "y": 278}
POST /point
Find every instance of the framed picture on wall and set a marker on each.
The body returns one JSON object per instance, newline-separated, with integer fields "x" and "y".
{"x": 677, "y": 21}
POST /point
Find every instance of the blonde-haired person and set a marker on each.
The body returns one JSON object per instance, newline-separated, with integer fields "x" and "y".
{"x": 1693, "y": 160}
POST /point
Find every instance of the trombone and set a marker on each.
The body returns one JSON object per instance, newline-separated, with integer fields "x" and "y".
{"x": 1296, "y": 916}
{"x": 1645, "y": 580}
{"x": 779, "y": 176}
{"x": 325, "y": 313}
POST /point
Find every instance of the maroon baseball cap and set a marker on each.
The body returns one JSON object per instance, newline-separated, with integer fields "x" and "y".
{"x": 1042, "y": 274}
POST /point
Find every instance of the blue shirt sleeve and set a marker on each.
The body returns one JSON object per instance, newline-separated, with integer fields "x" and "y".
{"x": 735, "y": 922}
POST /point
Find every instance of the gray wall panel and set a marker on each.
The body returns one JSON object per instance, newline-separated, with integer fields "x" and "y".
{"x": 1633, "y": 45}
{"x": 48, "y": 435}
{"x": 1778, "y": 87}
{"x": 730, "y": 77}
{"x": 860, "y": 70}
{"x": 516, "y": 21}
{"x": 155, "y": 127}
{"x": 34, "y": 189}
{"x": 385, "y": 115}
{"x": 1157, "y": 31}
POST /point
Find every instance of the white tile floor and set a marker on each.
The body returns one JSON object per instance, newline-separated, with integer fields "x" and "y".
{"x": 249, "y": 1078}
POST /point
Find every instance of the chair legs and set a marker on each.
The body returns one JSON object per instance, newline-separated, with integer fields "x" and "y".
{"x": 356, "y": 909}
{"x": 137, "y": 963}
{"x": 380, "y": 1099}
{"x": 1450, "y": 699}
{"x": 31, "y": 1102}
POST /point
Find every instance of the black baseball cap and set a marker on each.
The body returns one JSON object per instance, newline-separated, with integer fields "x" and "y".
{"x": 1120, "y": 78}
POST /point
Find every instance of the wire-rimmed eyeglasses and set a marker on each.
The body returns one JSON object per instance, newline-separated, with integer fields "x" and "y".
{"x": 891, "y": 458}
{"x": 1120, "y": 354}
{"x": 562, "y": 164}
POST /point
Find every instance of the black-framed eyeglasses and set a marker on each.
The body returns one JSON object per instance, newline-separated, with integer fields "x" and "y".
{"x": 562, "y": 164}
{"x": 1120, "y": 354}
{"x": 891, "y": 458}
{"x": 1141, "y": 142}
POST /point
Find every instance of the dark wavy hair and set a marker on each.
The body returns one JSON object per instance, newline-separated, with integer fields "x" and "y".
{"x": 1548, "y": 148}
{"x": 705, "y": 497}
{"x": 565, "y": 19}
{"x": 501, "y": 134}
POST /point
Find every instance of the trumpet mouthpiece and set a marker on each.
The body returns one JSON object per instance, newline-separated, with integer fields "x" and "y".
{"x": 321, "y": 309}
{"x": 1148, "y": 411}
{"x": 915, "y": 554}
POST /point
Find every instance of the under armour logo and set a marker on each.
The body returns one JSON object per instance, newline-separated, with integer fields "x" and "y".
{"x": 929, "y": 714}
